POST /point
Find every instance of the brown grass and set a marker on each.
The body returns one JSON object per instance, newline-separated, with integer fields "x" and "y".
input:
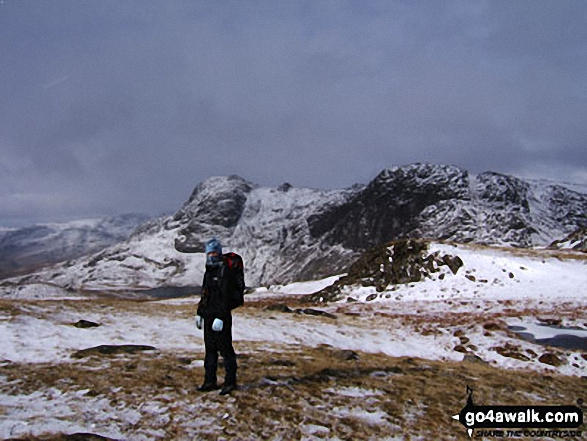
{"x": 561, "y": 254}
{"x": 285, "y": 390}
{"x": 282, "y": 391}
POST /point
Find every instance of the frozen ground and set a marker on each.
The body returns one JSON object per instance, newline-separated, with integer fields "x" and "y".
{"x": 334, "y": 373}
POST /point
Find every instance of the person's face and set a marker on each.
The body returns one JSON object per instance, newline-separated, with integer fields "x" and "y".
{"x": 213, "y": 254}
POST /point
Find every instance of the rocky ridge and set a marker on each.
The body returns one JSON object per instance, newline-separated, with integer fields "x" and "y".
{"x": 289, "y": 234}
{"x": 397, "y": 262}
{"x": 446, "y": 202}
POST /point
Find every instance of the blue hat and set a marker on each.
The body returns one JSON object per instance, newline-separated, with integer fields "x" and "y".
{"x": 213, "y": 246}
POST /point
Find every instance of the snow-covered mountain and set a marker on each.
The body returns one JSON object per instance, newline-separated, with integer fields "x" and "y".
{"x": 27, "y": 248}
{"x": 446, "y": 202}
{"x": 286, "y": 234}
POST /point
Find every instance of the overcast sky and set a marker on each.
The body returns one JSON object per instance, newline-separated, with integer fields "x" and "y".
{"x": 117, "y": 106}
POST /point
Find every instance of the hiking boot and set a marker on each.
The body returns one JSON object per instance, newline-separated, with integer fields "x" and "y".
{"x": 227, "y": 388}
{"x": 207, "y": 387}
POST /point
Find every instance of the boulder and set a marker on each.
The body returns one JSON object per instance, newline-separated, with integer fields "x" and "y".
{"x": 551, "y": 359}
{"x": 85, "y": 324}
{"x": 112, "y": 350}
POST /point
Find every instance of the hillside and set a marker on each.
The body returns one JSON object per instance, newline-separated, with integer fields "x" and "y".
{"x": 290, "y": 234}
{"x": 381, "y": 362}
{"x": 25, "y": 249}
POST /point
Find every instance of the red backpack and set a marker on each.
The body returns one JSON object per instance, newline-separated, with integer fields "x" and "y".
{"x": 234, "y": 264}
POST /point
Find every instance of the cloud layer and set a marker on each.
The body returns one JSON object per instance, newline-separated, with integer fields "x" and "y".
{"x": 111, "y": 107}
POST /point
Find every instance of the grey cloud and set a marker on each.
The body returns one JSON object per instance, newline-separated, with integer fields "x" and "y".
{"x": 134, "y": 103}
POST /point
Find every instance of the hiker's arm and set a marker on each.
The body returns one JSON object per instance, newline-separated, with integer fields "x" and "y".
{"x": 203, "y": 296}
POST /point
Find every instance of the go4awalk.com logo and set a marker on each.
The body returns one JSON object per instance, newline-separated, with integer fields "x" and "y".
{"x": 520, "y": 421}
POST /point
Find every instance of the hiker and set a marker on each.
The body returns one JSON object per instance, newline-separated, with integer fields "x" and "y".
{"x": 221, "y": 286}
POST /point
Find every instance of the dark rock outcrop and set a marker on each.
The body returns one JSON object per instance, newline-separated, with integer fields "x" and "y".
{"x": 216, "y": 203}
{"x": 390, "y": 206}
{"x": 396, "y": 262}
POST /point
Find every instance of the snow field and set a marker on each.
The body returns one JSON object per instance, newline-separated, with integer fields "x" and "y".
{"x": 490, "y": 275}
{"x": 425, "y": 320}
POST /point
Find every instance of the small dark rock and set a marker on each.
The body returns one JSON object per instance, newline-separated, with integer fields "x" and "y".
{"x": 491, "y": 326}
{"x": 371, "y": 297}
{"x": 85, "y": 324}
{"x": 278, "y": 362}
{"x": 347, "y": 355}
{"x": 511, "y": 351}
{"x": 67, "y": 437}
{"x": 472, "y": 358}
{"x": 317, "y": 312}
{"x": 86, "y": 437}
{"x": 549, "y": 321}
{"x": 285, "y": 187}
{"x": 471, "y": 278}
{"x": 280, "y": 307}
{"x": 550, "y": 359}
{"x": 453, "y": 262}
{"x": 461, "y": 348}
{"x": 111, "y": 350}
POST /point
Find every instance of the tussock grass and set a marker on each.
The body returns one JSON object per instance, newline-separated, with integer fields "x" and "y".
{"x": 289, "y": 392}
{"x": 285, "y": 391}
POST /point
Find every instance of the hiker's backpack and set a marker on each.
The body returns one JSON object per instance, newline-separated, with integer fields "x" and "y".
{"x": 233, "y": 263}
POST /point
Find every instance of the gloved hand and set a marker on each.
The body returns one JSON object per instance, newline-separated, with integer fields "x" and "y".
{"x": 217, "y": 325}
{"x": 199, "y": 321}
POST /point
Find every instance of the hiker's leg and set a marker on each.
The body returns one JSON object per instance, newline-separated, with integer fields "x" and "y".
{"x": 211, "y": 358}
{"x": 227, "y": 351}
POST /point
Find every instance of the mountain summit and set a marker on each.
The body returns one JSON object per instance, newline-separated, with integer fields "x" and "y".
{"x": 445, "y": 202}
{"x": 286, "y": 233}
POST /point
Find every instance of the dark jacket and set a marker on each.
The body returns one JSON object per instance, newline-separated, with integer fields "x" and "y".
{"x": 217, "y": 291}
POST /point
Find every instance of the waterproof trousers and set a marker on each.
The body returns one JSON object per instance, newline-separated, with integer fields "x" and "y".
{"x": 215, "y": 342}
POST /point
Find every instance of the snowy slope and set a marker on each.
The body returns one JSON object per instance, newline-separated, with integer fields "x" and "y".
{"x": 490, "y": 281}
{"x": 290, "y": 234}
{"x": 271, "y": 234}
{"x": 487, "y": 273}
{"x": 27, "y": 248}
{"x": 453, "y": 318}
